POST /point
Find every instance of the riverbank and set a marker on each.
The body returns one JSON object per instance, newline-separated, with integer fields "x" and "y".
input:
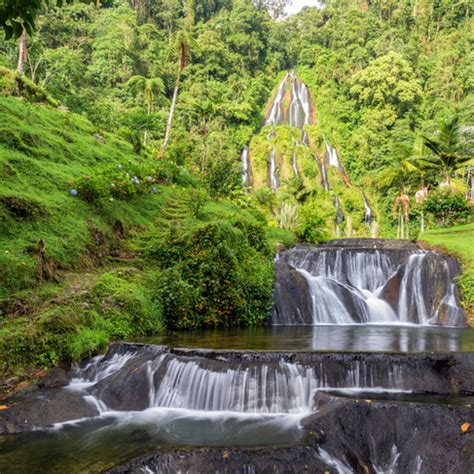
{"x": 458, "y": 241}
{"x": 99, "y": 242}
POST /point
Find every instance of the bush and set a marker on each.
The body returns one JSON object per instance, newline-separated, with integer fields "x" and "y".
{"x": 214, "y": 274}
{"x": 312, "y": 223}
{"x": 125, "y": 181}
{"x": 445, "y": 207}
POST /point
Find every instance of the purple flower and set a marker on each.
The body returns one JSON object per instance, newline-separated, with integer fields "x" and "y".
{"x": 154, "y": 190}
{"x": 74, "y": 192}
{"x": 150, "y": 179}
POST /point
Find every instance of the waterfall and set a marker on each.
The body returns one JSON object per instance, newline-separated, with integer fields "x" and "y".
{"x": 331, "y": 156}
{"x": 295, "y": 165}
{"x": 323, "y": 171}
{"x": 153, "y": 378}
{"x": 369, "y": 216}
{"x": 339, "y": 216}
{"x": 276, "y": 114}
{"x": 245, "y": 165}
{"x": 300, "y": 106}
{"x": 272, "y": 171}
{"x": 304, "y": 138}
{"x": 366, "y": 285}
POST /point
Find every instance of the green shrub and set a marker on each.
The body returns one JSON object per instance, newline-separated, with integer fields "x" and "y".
{"x": 214, "y": 274}
{"x": 127, "y": 180}
{"x": 446, "y": 207}
{"x": 312, "y": 223}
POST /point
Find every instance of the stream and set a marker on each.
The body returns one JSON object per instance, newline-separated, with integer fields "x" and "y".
{"x": 364, "y": 368}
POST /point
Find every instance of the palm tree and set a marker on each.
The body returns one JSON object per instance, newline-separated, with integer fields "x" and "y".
{"x": 183, "y": 46}
{"x": 150, "y": 88}
{"x": 445, "y": 156}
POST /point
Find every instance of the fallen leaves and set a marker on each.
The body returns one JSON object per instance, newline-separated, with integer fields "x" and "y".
{"x": 465, "y": 426}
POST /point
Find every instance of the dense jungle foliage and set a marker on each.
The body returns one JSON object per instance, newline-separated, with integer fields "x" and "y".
{"x": 119, "y": 218}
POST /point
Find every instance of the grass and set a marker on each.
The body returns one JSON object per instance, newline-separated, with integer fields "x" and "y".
{"x": 92, "y": 283}
{"x": 459, "y": 241}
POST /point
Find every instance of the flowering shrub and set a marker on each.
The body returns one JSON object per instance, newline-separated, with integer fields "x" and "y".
{"x": 125, "y": 181}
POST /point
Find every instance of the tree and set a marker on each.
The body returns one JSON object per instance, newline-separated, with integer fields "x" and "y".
{"x": 149, "y": 87}
{"x": 183, "y": 42}
{"x": 17, "y": 16}
{"x": 276, "y": 8}
{"x": 445, "y": 157}
{"x": 22, "y": 52}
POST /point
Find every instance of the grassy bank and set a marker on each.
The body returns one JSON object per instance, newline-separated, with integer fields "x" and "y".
{"x": 98, "y": 242}
{"x": 459, "y": 241}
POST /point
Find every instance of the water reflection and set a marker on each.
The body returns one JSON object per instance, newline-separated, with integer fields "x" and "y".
{"x": 326, "y": 338}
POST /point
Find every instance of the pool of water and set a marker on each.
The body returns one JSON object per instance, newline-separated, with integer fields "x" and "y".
{"x": 392, "y": 338}
{"x": 96, "y": 444}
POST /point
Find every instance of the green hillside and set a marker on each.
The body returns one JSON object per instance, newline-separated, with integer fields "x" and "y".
{"x": 79, "y": 270}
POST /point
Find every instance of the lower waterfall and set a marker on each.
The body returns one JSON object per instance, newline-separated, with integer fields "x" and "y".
{"x": 384, "y": 283}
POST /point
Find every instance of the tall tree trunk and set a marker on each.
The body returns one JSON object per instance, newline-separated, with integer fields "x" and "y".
{"x": 22, "y": 52}
{"x": 170, "y": 116}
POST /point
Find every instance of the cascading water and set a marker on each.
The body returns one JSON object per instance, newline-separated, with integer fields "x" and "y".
{"x": 245, "y": 165}
{"x": 276, "y": 113}
{"x": 220, "y": 384}
{"x": 295, "y": 165}
{"x": 304, "y": 138}
{"x": 339, "y": 215}
{"x": 369, "y": 215}
{"x": 272, "y": 171}
{"x": 324, "y": 175}
{"x": 366, "y": 285}
{"x": 300, "y": 106}
{"x": 331, "y": 156}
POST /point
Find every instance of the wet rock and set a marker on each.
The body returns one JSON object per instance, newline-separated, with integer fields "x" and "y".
{"x": 298, "y": 459}
{"x": 373, "y": 436}
{"x": 292, "y": 298}
{"x": 43, "y": 408}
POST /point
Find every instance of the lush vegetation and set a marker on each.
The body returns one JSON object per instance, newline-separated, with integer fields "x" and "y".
{"x": 458, "y": 241}
{"x": 98, "y": 242}
{"x": 122, "y": 209}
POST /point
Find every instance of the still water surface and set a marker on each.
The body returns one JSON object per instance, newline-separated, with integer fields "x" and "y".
{"x": 393, "y": 338}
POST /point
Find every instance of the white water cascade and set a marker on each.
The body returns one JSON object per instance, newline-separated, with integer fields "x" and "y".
{"x": 295, "y": 165}
{"x": 348, "y": 286}
{"x": 245, "y": 165}
{"x": 217, "y": 385}
{"x": 272, "y": 171}
{"x": 331, "y": 155}
{"x": 276, "y": 113}
{"x": 369, "y": 215}
{"x": 324, "y": 174}
{"x": 300, "y": 106}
